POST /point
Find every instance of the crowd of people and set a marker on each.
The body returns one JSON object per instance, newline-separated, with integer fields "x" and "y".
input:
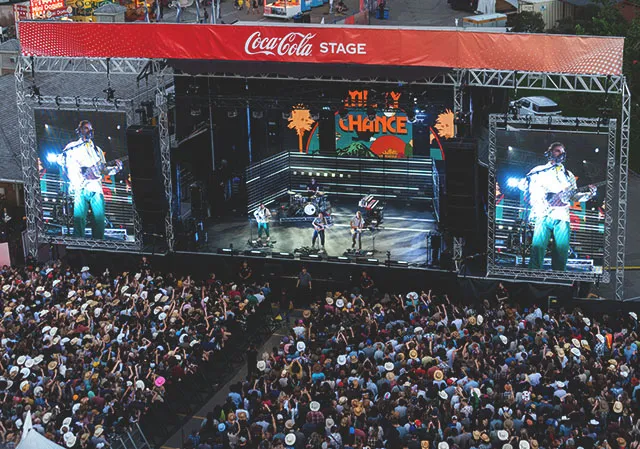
{"x": 88, "y": 353}
{"x": 417, "y": 371}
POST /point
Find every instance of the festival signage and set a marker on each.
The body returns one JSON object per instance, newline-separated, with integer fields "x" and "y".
{"x": 40, "y": 9}
{"x": 327, "y": 45}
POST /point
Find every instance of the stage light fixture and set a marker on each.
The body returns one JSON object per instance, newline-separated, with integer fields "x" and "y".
{"x": 326, "y": 174}
{"x": 510, "y": 148}
{"x": 584, "y": 161}
{"x": 111, "y": 93}
{"x": 256, "y": 252}
{"x": 597, "y": 150}
{"x": 46, "y": 126}
{"x": 295, "y": 173}
{"x": 52, "y": 157}
{"x": 333, "y": 175}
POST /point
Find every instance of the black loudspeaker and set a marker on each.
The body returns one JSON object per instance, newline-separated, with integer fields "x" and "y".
{"x": 147, "y": 182}
{"x": 327, "y": 133}
{"x": 421, "y": 144}
{"x": 459, "y": 198}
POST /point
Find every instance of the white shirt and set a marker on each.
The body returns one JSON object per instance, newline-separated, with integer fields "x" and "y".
{"x": 262, "y": 215}
{"x": 550, "y": 178}
{"x": 76, "y": 156}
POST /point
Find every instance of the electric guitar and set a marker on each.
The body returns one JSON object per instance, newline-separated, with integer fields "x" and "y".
{"x": 322, "y": 227}
{"x": 564, "y": 197}
{"x": 357, "y": 231}
{"x": 100, "y": 169}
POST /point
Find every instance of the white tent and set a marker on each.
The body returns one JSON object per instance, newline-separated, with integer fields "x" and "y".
{"x": 31, "y": 439}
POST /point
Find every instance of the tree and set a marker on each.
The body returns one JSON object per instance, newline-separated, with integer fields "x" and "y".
{"x": 528, "y": 22}
{"x": 301, "y": 121}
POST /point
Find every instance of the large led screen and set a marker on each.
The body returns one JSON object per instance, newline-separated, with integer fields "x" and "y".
{"x": 550, "y": 207}
{"x": 84, "y": 175}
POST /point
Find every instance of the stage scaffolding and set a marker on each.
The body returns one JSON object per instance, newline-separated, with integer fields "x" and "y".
{"x": 459, "y": 79}
{"x": 591, "y": 125}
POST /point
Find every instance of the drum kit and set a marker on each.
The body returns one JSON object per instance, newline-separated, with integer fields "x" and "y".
{"x": 302, "y": 206}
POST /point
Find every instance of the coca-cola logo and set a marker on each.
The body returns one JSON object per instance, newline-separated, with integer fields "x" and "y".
{"x": 291, "y": 44}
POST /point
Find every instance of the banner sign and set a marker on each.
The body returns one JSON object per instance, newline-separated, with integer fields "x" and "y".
{"x": 327, "y": 45}
{"x": 40, "y": 9}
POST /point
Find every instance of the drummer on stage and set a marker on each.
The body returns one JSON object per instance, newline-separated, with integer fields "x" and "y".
{"x": 313, "y": 188}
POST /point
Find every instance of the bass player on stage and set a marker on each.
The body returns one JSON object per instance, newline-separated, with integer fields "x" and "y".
{"x": 84, "y": 165}
{"x": 552, "y": 189}
{"x": 319, "y": 225}
{"x": 357, "y": 227}
{"x": 262, "y": 216}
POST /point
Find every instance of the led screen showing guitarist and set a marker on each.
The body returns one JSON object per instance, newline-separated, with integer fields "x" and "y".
{"x": 84, "y": 166}
{"x": 551, "y": 189}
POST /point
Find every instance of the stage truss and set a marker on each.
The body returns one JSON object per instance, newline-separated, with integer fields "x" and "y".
{"x": 459, "y": 79}
{"x": 552, "y": 123}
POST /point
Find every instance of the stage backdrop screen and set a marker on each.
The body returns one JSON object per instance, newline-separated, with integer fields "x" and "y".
{"x": 550, "y": 200}
{"x": 84, "y": 175}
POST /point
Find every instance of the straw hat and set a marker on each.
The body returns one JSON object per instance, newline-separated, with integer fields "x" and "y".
{"x": 438, "y": 375}
{"x": 390, "y": 376}
{"x": 413, "y": 354}
{"x": 472, "y": 320}
{"x": 617, "y": 407}
{"x": 329, "y": 300}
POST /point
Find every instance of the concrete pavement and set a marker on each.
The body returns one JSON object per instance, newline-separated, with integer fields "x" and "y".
{"x": 402, "y": 13}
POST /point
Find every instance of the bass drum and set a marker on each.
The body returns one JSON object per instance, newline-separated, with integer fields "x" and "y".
{"x": 310, "y": 209}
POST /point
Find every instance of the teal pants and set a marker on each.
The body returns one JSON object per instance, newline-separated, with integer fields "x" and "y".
{"x": 541, "y": 236}
{"x": 263, "y": 227}
{"x": 84, "y": 199}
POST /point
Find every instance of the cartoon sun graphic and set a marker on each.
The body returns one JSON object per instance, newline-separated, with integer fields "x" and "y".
{"x": 301, "y": 121}
{"x": 444, "y": 125}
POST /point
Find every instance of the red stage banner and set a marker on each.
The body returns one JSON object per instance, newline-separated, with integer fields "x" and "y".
{"x": 327, "y": 45}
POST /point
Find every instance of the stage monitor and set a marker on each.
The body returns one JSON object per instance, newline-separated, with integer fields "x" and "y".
{"x": 84, "y": 175}
{"x": 551, "y": 214}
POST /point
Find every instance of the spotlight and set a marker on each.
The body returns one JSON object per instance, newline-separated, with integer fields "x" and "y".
{"x": 52, "y": 157}
{"x": 584, "y": 161}
{"x": 46, "y": 126}
{"x": 513, "y": 182}
{"x": 118, "y": 127}
{"x": 597, "y": 150}
{"x": 109, "y": 137}
{"x": 510, "y": 148}
{"x": 111, "y": 93}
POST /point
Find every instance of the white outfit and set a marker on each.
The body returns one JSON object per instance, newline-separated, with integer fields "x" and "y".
{"x": 550, "y": 178}
{"x": 78, "y": 155}
{"x": 262, "y": 215}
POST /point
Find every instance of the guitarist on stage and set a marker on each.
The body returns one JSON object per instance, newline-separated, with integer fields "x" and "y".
{"x": 552, "y": 189}
{"x": 262, "y": 216}
{"x": 357, "y": 226}
{"x": 319, "y": 225}
{"x": 84, "y": 165}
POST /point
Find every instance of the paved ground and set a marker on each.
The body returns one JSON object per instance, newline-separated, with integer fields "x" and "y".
{"x": 195, "y": 422}
{"x": 402, "y": 13}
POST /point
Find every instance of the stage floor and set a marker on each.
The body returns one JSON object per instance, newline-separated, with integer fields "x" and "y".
{"x": 403, "y": 232}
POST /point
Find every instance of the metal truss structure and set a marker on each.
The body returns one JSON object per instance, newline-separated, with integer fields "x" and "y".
{"x": 554, "y": 123}
{"x": 459, "y": 79}
{"x": 27, "y": 102}
{"x": 165, "y": 149}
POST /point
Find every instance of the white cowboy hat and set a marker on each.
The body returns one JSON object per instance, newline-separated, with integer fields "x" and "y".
{"x": 342, "y": 359}
{"x": 261, "y": 365}
{"x": 503, "y": 435}
{"x": 388, "y": 366}
{"x": 480, "y": 319}
{"x": 84, "y": 269}
{"x": 633, "y": 315}
{"x": 139, "y": 385}
{"x": 503, "y": 339}
{"x": 524, "y": 444}
{"x": 290, "y": 439}
{"x": 301, "y": 346}
{"x": 314, "y": 406}
{"x": 575, "y": 351}
{"x": 340, "y": 302}
{"x": 442, "y": 394}
{"x": 443, "y": 445}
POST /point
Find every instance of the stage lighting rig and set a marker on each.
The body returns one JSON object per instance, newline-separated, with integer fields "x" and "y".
{"x": 111, "y": 93}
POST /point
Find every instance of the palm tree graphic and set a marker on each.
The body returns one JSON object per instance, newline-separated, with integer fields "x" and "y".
{"x": 301, "y": 121}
